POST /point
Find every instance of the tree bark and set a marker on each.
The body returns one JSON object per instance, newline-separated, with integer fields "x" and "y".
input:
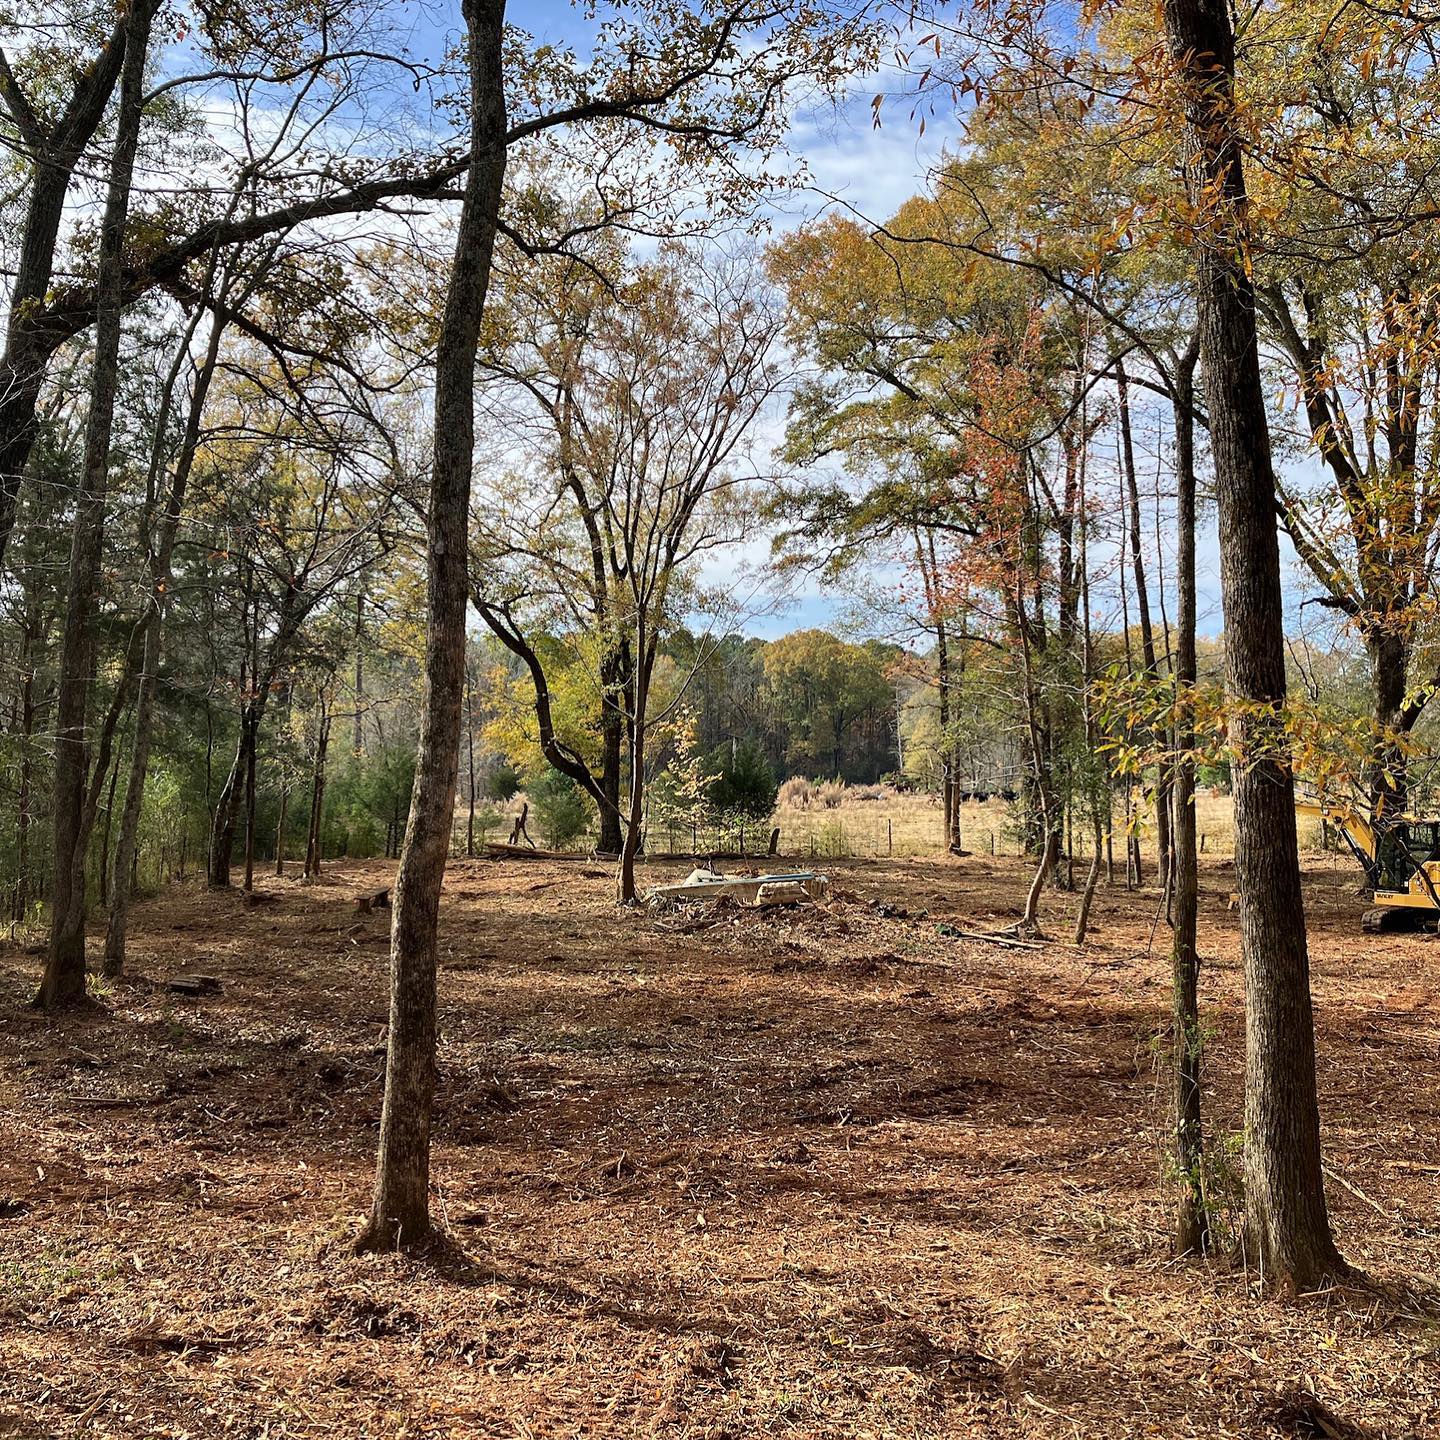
{"x": 1192, "y": 1226}
{"x": 64, "y": 980}
{"x": 400, "y": 1212}
{"x": 469, "y": 767}
{"x": 103, "y": 869}
{"x": 23, "y": 793}
{"x": 1287, "y": 1224}
{"x": 1087, "y": 896}
{"x": 1389, "y": 655}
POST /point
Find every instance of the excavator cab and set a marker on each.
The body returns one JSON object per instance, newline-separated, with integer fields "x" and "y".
{"x": 1401, "y": 848}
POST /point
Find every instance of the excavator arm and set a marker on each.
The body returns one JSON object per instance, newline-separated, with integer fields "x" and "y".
{"x": 1358, "y": 832}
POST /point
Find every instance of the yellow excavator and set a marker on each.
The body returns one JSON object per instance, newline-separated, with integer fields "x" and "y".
{"x": 1401, "y": 859}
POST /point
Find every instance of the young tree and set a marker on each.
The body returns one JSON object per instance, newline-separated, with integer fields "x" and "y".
{"x": 648, "y": 395}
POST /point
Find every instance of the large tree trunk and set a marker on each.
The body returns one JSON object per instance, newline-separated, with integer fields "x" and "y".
{"x": 1192, "y": 1229}
{"x": 1287, "y": 1223}
{"x": 74, "y": 812}
{"x": 400, "y": 1212}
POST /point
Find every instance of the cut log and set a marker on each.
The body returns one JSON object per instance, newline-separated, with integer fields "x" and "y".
{"x": 194, "y": 984}
{"x": 380, "y": 900}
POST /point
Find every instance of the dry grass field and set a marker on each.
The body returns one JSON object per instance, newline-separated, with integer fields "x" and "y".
{"x": 809, "y": 1173}
{"x": 904, "y": 825}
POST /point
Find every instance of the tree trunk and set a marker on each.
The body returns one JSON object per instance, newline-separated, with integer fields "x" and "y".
{"x": 639, "y": 692}
{"x": 400, "y": 1213}
{"x": 122, "y": 877}
{"x": 227, "y": 808}
{"x": 1030, "y": 921}
{"x": 250, "y": 759}
{"x": 1288, "y": 1226}
{"x": 280, "y": 831}
{"x": 612, "y": 752}
{"x": 1142, "y": 606}
{"x": 469, "y": 768}
{"x": 1389, "y": 671}
{"x": 626, "y": 891}
{"x": 357, "y": 740}
{"x": 103, "y": 869}
{"x": 1087, "y": 897}
{"x": 949, "y": 799}
{"x": 1192, "y": 1226}
{"x": 64, "y": 979}
{"x": 313, "y": 851}
{"x": 23, "y": 793}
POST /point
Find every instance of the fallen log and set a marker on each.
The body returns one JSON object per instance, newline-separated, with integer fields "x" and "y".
{"x": 990, "y": 937}
{"x": 497, "y": 850}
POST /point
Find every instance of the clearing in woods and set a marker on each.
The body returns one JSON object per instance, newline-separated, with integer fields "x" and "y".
{"x": 819, "y": 1173}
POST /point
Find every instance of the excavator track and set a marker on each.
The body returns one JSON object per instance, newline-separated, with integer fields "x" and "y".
{"x": 1391, "y": 919}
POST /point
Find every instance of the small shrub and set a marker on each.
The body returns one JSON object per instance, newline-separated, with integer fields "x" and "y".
{"x": 797, "y": 793}
{"x": 502, "y": 783}
{"x": 830, "y": 794}
{"x": 745, "y": 786}
{"x": 559, "y": 807}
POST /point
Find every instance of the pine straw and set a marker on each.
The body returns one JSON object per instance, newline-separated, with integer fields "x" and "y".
{"x": 811, "y": 1173}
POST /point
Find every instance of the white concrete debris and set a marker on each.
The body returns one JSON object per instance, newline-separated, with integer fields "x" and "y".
{"x": 795, "y": 887}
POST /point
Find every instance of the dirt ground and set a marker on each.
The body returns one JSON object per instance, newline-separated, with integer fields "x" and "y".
{"x": 823, "y": 1173}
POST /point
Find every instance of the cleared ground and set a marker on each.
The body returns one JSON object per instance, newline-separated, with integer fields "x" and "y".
{"x": 821, "y": 1173}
